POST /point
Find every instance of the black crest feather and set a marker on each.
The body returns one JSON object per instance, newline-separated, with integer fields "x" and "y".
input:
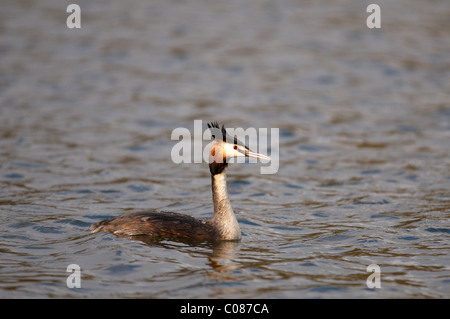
{"x": 215, "y": 127}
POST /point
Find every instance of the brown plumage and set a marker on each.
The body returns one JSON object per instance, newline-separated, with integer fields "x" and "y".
{"x": 158, "y": 224}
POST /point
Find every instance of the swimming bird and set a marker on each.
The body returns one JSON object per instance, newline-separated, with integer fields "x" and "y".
{"x": 162, "y": 224}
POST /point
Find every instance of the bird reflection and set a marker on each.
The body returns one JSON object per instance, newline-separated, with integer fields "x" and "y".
{"x": 219, "y": 254}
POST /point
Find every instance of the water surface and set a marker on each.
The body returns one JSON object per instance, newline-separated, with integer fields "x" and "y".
{"x": 86, "y": 117}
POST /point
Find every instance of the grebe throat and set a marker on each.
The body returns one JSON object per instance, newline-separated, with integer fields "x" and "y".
{"x": 223, "y": 219}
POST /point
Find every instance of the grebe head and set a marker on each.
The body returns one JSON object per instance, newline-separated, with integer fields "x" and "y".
{"x": 224, "y": 147}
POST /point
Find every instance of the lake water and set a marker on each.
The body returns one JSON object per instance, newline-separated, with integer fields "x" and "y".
{"x": 86, "y": 117}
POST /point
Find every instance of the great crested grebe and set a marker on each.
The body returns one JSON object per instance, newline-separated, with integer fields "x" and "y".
{"x": 161, "y": 224}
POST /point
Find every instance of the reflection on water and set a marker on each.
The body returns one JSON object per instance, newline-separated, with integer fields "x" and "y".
{"x": 86, "y": 117}
{"x": 219, "y": 254}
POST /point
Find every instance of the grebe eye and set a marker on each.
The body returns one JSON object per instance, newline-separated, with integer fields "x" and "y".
{"x": 235, "y": 147}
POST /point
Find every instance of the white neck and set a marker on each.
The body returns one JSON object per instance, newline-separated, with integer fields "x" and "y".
{"x": 223, "y": 218}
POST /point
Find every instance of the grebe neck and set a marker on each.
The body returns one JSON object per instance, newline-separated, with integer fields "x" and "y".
{"x": 223, "y": 219}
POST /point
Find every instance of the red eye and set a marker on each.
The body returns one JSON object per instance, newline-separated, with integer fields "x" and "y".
{"x": 235, "y": 147}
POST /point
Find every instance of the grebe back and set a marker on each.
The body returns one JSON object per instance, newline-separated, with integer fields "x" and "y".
{"x": 162, "y": 224}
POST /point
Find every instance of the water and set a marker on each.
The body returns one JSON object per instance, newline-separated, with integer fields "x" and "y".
{"x": 86, "y": 117}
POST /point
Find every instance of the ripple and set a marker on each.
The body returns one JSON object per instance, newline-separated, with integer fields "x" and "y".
{"x": 122, "y": 269}
{"x": 14, "y": 176}
{"x": 438, "y": 230}
{"x": 139, "y": 188}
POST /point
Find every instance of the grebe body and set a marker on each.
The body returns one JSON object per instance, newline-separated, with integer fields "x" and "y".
{"x": 158, "y": 224}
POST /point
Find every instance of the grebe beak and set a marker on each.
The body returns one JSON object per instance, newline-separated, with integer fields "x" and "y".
{"x": 235, "y": 150}
{"x": 244, "y": 151}
{"x": 249, "y": 153}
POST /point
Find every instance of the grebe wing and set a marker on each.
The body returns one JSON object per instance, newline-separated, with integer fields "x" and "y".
{"x": 157, "y": 224}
